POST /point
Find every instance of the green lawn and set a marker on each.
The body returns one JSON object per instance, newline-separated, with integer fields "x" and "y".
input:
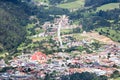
{"x": 72, "y": 5}
{"x": 2, "y": 55}
{"x": 108, "y": 6}
{"x": 38, "y": 38}
{"x": 63, "y": 31}
{"x": 78, "y": 36}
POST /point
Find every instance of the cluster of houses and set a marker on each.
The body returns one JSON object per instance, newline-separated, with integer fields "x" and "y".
{"x": 35, "y": 2}
{"x": 37, "y": 65}
{"x": 50, "y": 29}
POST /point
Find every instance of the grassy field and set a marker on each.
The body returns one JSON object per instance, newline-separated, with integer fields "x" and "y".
{"x": 42, "y": 0}
{"x": 72, "y": 5}
{"x": 116, "y": 36}
{"x": 2, "y": 55}
{"x": 63, "y": 31}
{"x": 78, "y": 36}
{"x": 117, "y": 78}
{"x": 109, "y": 6}
{"x": 38, "y": 39}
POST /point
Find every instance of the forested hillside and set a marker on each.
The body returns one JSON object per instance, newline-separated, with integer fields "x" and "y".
{"x": 13, "y": 18}
{"x": 99, "y": 2}
{"x": 104, "y": 20}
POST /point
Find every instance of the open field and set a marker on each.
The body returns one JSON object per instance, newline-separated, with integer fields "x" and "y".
{"x": 72, "y": 5}
{"x": 96, "y": 36}
{"x": 109, "y": 6}
{"x": 114, "y": 35}
{"x": 117, "y": 78}
{"x": 79, "y": 37}
{"x": 66, "y": 31}
{"x": 38, "y": 39}
{"x": 42, "y": 0}
{"x": 2, "y": 55}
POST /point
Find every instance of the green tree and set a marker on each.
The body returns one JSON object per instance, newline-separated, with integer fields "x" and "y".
{"x": 115, "y": 74}
{"x": 81, "y": 76}
{"x": 81, "y": 48}
{"x": 102, "y": 77}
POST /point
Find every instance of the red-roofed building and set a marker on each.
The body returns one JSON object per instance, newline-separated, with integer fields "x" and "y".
{"x": 39, "y": 56}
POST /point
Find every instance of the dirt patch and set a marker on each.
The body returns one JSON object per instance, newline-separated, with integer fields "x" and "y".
{"x": 96, "y": 36}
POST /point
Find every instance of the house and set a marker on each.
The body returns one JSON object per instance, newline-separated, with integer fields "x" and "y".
{"x": 2, "y": 63}
{"x": 39, "y": 57}
{"x": 99, "y": 72}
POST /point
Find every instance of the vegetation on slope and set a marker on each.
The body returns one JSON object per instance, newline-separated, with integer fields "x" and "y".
{"x": 109, "y": 6}
{"x": 73, "y": 4}
{"x": 13, "y": 18}
{"x": 99, "y": 2}
{"x": 92, "y": 19}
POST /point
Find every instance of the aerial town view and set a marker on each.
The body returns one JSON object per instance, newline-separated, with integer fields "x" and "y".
{"x": 59, "y": 39}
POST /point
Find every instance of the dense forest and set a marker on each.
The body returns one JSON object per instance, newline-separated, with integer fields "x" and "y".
{"x": 13, "y": 18}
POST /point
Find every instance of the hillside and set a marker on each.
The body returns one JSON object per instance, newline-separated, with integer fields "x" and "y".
{"x": 73, "y": 4}
{"x": 109, "y": 6}
{"x": 65, "y": 4}
{"x": 94, "y": 18}
{"x": 13, "y": 18}
{"x": 99, "y": 2}
{"x": 59, "y": 39}
{"x": 80, "y": 4}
